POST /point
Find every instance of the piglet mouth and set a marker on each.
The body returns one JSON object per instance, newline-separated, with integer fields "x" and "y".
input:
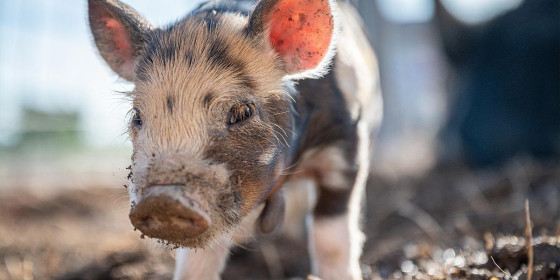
{"x": 166, "y": 212}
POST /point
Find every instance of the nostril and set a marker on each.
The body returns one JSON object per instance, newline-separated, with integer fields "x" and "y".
{"x": 187, "y": 222}
{"x": 148, "y": 222}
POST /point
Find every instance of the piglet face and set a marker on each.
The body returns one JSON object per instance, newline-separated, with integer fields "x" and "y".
{"x": 212, "y": 120}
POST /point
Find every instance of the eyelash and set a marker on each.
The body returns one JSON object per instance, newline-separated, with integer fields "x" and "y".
{"x": 137, "y": 119}
{"x": 242, "y": 113}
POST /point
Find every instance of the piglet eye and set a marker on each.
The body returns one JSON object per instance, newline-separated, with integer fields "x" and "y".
{"x": 241, "y": 113}
{"x": 137, "y": 119}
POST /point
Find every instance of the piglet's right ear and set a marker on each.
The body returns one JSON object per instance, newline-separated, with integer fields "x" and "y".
{"x": 300, "y": 32}
{"x": 119, "y": 33}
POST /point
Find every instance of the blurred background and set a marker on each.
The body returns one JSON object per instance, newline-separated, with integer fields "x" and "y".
{"x": 466, "y": 83}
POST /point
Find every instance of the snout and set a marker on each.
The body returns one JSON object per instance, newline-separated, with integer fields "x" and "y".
{"x": 165, "y": 212}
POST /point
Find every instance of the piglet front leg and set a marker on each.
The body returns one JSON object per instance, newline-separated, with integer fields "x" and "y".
{"x": 206, "y": 263}
{"x": 335, "y": 237}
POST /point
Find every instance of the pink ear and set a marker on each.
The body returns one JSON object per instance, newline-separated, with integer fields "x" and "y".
{"x": 119, "y": 34}
{"x": 301, "y": 32}
{"x": 121, "y": 41}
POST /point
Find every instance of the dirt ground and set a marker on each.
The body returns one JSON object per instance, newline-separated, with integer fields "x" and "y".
{"x": 451, "y": 223}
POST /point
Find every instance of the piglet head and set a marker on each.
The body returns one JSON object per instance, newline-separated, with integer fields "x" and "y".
{"x": 212, "y": 120}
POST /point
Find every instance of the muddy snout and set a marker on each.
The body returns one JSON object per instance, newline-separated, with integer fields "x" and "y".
{"x": 166, "y": 212}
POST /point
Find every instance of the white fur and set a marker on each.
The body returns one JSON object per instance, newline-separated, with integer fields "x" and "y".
{"x": 336, "y": 248}
{"x": 336, "y": 242}
{"x": 205, "y": 263}
{"x": 267, "y": 156}
{"x": 330, "y": 163}
{"x": 209, "y": 262}
{"x": 356, "y": 73}
{"x": 300, "y": 196}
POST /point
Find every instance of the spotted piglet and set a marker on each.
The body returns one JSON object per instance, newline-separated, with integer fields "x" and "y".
{"x": 233, "y": 102}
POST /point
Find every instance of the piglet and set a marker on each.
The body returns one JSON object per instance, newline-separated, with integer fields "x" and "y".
{"x": 232, "y": 102}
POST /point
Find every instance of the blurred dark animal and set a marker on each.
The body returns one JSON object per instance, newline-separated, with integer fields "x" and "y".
{"x": 506, "y": 89}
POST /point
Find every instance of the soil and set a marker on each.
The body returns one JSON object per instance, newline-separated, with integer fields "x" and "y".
{"x": 451, "y": 223}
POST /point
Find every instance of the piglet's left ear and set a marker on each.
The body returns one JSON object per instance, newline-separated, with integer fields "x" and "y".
{"x": 300, "y": 31}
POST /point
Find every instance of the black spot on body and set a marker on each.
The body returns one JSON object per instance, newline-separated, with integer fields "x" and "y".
{"x": 247, "y": 81}
{"x": 189, "y": 58}
{"x": 219, "y": 57}
{"x": 168, "y": 55}
{"x": 170, "y": 104}
{"x": 322, "y": 120}
{"x": 207, "y": 100}
{"x": 217, "y": 54}
{"x": 323, "y": 117}
{"x": 332, "y": 202}
{"x": 142, "y": 75}
{"x": 145, "y": 62}
{"x": 147, "y": 59}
